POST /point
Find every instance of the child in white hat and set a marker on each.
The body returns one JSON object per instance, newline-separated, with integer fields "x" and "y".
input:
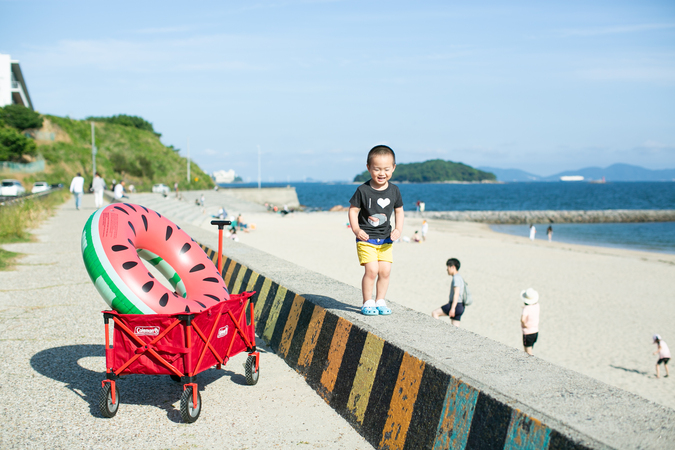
{"x": 529, "y": 319}
{"x": 664, "y": 354}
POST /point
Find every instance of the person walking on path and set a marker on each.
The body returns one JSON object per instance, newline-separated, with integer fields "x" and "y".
{"x": 77, "y": 189}
{"x": 98, "y": 185}
{"x": 533, "y": 231}
{"x": 529, "y": 319}
{"x": 663, "y": 352}
{"x": 425, "y": 229}
{"x": 370, "y": 212}
{"x": 549, "y": 233}
{"x": 455, "y": 306}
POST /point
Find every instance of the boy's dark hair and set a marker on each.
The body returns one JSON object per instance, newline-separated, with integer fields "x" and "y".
{"x": 453, "y": 262}
{"x": 381, "y": 150}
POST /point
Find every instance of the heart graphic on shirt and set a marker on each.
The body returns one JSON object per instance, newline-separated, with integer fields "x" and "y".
{"x": 383, "y": 202}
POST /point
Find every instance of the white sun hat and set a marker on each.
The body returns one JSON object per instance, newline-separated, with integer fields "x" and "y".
{"x": 529, "y": 296}
{"x": 656, "y": 337}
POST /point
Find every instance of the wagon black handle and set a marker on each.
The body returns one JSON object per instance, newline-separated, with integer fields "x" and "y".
{"x": 221, "y": 223}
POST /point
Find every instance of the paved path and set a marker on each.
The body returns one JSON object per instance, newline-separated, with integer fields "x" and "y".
{"x": 52, "y": 364}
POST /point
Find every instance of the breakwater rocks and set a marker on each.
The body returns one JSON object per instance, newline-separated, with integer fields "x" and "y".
{"x": 524, "y": 217}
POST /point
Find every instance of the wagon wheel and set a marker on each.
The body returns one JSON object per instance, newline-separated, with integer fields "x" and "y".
{"x": 189, "y": 412}
{"x": 105, "y": 403}
{"x": 252, "y": 374}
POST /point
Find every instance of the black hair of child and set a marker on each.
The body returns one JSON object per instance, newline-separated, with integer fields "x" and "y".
{"x": 381, "y": 150}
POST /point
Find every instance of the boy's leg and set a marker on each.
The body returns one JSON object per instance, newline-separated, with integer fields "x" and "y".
{"x": 383, "y": 272}
{"x": 368, "y": 280}
{"x": 657, "y": 371}
{"x": 665, "y": 364}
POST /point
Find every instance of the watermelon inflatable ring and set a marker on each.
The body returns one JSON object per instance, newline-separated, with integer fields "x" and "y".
{"x": 116, "y": 237}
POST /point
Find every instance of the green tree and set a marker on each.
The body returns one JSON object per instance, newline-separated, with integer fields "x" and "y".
{"x": 20, "y": 117}
{"x": 127, "y": 121}
{"x": 13, "y": 144}
{"x": 435, "y": 170}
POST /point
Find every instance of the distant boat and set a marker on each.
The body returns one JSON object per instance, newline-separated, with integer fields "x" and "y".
{"x": 598, "y": 181}
{"x": 572, "y": 178}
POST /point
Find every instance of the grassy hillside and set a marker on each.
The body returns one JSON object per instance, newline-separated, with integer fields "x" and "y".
{"x": 435, "y": 170}
{"x": 123, "y": 153}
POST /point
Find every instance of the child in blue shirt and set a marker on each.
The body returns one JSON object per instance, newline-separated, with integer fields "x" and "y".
{"x": 370, "y": 212}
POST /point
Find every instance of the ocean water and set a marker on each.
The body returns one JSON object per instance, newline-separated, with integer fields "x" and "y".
{"x": 658, "y": 237}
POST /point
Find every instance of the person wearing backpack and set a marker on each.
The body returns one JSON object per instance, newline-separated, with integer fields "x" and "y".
{"x": 455, "y": 306}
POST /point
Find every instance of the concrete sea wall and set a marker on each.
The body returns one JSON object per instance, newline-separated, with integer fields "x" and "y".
{"x": 407, "y": 381}
{"x": 524, "y": 217}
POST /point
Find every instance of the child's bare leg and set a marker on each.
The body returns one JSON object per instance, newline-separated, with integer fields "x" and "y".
{"x": 438, "y": 312}
{"x": 658, "y": 374}
{"x": 384, "y": 270}
{"x": 528, "y": 350}
{"x": 666, "y": 366}
{"x": 369, "y": 280}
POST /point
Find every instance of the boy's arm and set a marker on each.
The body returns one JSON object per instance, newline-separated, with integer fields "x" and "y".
{"x": 455, "y": 300}
{"x": 354, "y": 224}
{"x": 398, "y": 217}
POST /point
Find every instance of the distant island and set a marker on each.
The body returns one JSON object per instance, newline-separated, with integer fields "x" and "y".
{"x": 615, "y": 172}
{"x": 434, "y": 170}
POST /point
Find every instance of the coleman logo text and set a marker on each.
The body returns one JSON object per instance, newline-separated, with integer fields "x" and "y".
{"x": 146, "y": 331}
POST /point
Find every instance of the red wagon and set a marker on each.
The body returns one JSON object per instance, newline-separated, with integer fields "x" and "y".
{"x": 179, "y": 345}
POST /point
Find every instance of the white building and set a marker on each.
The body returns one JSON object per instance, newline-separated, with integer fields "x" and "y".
{"x": 13, "y": 90}
{"x": 224, "y": 176}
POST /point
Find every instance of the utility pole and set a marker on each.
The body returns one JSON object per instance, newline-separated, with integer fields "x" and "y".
{"x": 188, "y": 161}
{"x": 258, "y": 167}
{"x": 93, "y": 149}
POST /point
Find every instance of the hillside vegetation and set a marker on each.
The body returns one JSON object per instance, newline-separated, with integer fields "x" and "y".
{"x": 128, "y": 149}
{"x": 435, "y": 170}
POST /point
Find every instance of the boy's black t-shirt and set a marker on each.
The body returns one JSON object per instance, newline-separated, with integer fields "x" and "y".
{"x": 376, "y": 208}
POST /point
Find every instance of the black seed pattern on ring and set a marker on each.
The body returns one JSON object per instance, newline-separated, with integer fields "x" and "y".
{"x": 187, "y": 309}
{"x": 132, "y": 228}
{"x": 211, "y": 279}
{"x": 132, "y": 244}
{"x": 145, "y": 222}
{"x": 130, "y": 206}
{"x": 158, "y": 214}
{"x": 197, "y": 268}
{"x": 147, "y": 286}
{"x": 201, "y": 304}
{"x": 129, "y": 265}
{"x": 150, "y": 275}
{"x": 212, "y": 296}
{"x": 164, "y": 300}
{"x": 146, "y": 209}
{"x": 169, "y": 232}
{"x": 119, "y": 248}
{"x": 122, "y": 209}
{"x": 185, "y": 248}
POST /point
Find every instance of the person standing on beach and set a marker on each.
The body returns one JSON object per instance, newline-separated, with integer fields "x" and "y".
{"x": 425, "y": 229}
{"x": 455, "y": 307}
{"x": 98, "y": 185}
{"x": 77, "y": 189}
{"x": 370, "y": 211}
{"x": 533, "y": 231}
{"x": 664, "y": 354}
{"x": 529, "y": 319}
{"x": 549, "y": 233}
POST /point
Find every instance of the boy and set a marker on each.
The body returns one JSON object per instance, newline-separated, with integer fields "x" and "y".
{"x": 455, "y": 307}
{"x": 663, "y": 352}
{"x": 529, "y": 319}
{"x": 370, "y": 212}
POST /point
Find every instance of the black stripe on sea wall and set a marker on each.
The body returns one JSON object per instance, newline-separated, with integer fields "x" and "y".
{"x": 257, "y": 287}
{"x": 226, "y": 265}
{"x": 489, "y": 425}
{"x": 278, "y": 332}
{"x": 347, "y": 372}
{"x": 264, "y": 314}
{"x": 245, "y": 280}
{"x": 320, "y": 357}
{"x": 560, "y": 442}
{"x": 233, "y": 277}
{"x": 380, "y": 395}
{"x": 428, "y": 408}
{"x": 300, "y": 332}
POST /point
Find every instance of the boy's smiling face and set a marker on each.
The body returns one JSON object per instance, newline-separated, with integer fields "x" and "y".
{"x": 381, "y": 168}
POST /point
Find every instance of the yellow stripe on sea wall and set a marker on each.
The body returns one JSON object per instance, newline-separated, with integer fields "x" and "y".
{"x": 252, "y": 281}
{"x": 335, "y": 354}
{"x": 228, "y": 275}
{"x": 291, "y": 324}
{"x": 365, "y": 375}
{"x": 262, "y": 297}
{"x": 311, "y": 337}
{"x": 240, "y": 278}
{"x": 274, "y": 313}
{"x": 402, "y": 402}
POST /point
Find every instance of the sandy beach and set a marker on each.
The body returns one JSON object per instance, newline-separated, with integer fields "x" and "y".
{"x": 599, "y": 306}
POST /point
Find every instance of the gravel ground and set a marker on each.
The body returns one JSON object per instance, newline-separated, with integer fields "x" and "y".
{"x": 52, "y": 363}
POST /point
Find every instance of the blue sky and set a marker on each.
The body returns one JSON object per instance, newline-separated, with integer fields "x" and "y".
{"x": 539, "y": 86}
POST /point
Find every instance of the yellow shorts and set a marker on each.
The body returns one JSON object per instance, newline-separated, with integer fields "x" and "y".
{"x": 370, "y": 252}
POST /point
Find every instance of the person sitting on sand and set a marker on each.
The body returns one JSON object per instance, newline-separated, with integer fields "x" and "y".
{"x": 455, "y": 306}
{"x": 529, "y": 319}
{"x": 664, "y": 354}
{"x": 416, "y": 237}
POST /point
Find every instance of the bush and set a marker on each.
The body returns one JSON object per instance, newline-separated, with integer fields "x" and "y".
{"x": 127, "y": 121}
{"x": 20, "y": 117}
{"x": 13, "y": 144}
